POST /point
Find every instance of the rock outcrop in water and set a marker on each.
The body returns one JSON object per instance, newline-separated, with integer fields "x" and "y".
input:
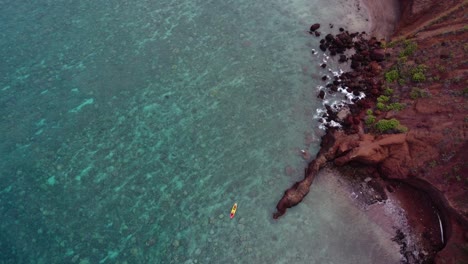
{"x": 412, "y": 125}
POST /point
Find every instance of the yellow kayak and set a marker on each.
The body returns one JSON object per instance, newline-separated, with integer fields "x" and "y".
{"x": 233, "y": 210}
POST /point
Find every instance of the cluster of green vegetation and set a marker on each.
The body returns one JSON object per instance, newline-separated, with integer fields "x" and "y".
{"x": 418, "y": 93}
{"x": 404, "y": 72}
{"x": 395, "y": 107}
{"x": 370, "y": 118}
{"x": 418, "y": 73}
{"x": 384, "y": 125}
{"x": 390, "y": 125}
{"x": 383, "y": 99}
{"x": 419, "y": 77}
{"x": 392, "y": 76}
{"x": 409, "y": 48}
{"x": 388, "y": 91}
{"x": 384, "y": 105}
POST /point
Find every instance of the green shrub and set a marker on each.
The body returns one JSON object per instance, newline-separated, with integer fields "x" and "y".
{"x": 419, "y": 77}
{"x": 409, "y": 48}
{"x": 384, "y": 126}
{"x": 391, "y": 76}
{"x": 383, "y": 99}
{"x": 381, "y": 106}
{"x": 417, "y": 73}
{"x": 370, "y": 119}
{"x": 395, "y": 106}
{"x": 388, "y": 91}
{"x": 369, "y": 112}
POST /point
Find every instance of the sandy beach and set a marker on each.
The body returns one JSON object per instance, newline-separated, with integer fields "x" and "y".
{"x": 384, "y": 15}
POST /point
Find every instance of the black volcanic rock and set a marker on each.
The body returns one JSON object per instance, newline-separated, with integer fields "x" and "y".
{"x": 323, "y": 47}
{"x": 355, "y": 65}
{"x": 342, "y": 58}
{"x": 377, "y": 55}
{"x": 321, "y": 94}
{"x": 314, "y": 27}
{"x": 444, "y": 55}
{"x": 357, "y": 57}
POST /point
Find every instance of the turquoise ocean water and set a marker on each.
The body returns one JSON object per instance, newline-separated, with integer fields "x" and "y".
{"x": 129, "y": 128}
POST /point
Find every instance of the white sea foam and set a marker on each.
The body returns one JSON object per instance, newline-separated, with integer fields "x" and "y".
{"x": 336, "y": 101}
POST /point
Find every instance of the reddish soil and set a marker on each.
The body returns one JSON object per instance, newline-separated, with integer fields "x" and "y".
{"x": 437, "y": 119}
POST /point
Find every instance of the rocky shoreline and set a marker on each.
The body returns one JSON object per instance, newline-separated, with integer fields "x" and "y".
{"x": 408, "y": 135}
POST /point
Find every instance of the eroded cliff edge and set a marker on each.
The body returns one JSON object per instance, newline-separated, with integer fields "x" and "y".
{"x": 412, "y": 127}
